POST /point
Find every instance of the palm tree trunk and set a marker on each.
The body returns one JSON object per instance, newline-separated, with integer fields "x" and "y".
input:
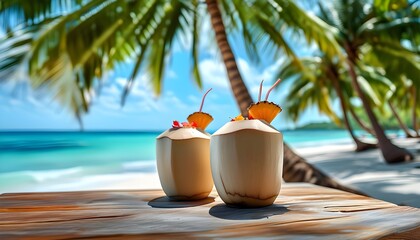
{"x": 390, "y": 152}
{"x": 296, "y": 169}
{"x": 240, "y": 91}
{"x": 414, "y": 115}
{"x": 400, "y": 122}
{"x": 360, "y": 122}
{"x": 360, "y": 146}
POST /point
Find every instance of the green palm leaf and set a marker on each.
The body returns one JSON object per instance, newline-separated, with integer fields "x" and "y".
{"x": 309, "y": 87}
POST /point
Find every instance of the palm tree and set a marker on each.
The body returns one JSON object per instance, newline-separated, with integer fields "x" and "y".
{"x": 399, "y": 101}
{"x": 360, "y": 122}
{"x": 400, "y": 121}
{"x": 315, "y": 85}
{"x": 359, "y": 28}
{"x": 69, "y": 45}
{"x": 403, "y": 65}
{"x": 416, "y": 96}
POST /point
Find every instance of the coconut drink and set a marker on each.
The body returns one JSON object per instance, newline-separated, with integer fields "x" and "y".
{"x": 247, "y": 157}
{"x": 183, "y": 158}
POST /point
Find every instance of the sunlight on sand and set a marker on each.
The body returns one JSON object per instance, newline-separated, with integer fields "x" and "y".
{"x": 366, "y": 171}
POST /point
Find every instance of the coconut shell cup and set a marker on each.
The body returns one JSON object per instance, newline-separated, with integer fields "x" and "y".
{"x": 183, "y": 163}
{"x": 247, "y": 163}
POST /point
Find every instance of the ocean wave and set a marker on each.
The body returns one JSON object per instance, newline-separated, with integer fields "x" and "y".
{"x": 124, "y": 181}
{"x": 322, "y": 142}
{"x": 148, "y": 166}
{"x": 42, "y": 176}
{"x": 17, "y": 146}
{"x": 77, "y": 178}
{"x": 76, "y": 172}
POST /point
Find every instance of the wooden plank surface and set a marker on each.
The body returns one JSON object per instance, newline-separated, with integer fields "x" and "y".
{"x": 302, "y": 211}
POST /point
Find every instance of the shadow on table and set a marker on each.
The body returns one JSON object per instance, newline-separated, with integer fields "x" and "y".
{"x": 232, "y": 213}
{"x": 165, "y": 202}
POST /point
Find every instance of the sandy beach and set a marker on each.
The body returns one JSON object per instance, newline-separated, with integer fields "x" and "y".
{"x": 367, "y": 172}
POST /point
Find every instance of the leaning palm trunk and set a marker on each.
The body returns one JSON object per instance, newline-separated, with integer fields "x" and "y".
{"x": 359, "y": 121}
{"x": 296, "y": 169}
{"x": 360, "y": 146}
{"x": 390, "y": 152}
{"x": 400, "y": 122}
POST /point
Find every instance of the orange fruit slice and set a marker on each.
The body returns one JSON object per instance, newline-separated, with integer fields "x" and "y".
{"x": 202, "y": 119}
{"x": 238, "y": 118}
{"x": 264, "y": 110}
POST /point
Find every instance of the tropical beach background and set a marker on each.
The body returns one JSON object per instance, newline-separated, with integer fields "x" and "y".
{"x": 86, "y": 86}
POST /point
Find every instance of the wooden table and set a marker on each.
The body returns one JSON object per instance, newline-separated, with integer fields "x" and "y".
{"x": 302, "y": 211}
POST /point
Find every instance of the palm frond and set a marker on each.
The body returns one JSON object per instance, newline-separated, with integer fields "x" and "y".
{"x": 398, "y": 62}
{"x": 196, "y": 43}
{"x": 161, "y": 43}
{"x": 14, "y": 13}
{"x": 251, "y": 36}
{"x": 94, "y": 37}
{"x": 388, "y": 5}
{"x": 382, "y": 87}
{"x": 144, "y": 28}
{"x": 309, "y": 87}
{"x": 10, "y": 60}
{"x": 312, "y": 27}
{"x": 407, "y": 28}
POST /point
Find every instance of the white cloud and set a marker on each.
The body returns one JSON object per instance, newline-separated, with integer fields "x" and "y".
{"x": 247, "y": 71}
{"x": 170, "y": 101}
{"x": 193, "y": 99}
{"x": 171, "y": 73}
{"x": 268, "y": 75}
{"x": 108, "y": 102}
{"x": 213, "y": 73}
{"x": 15, "y": 102}
{"x": 111, "y": 90}
{"x": 19, "y": 93}
{"x": 140, "y": 99}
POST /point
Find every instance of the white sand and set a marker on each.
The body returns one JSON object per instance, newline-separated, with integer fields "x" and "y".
{"x": 367, "y": 171}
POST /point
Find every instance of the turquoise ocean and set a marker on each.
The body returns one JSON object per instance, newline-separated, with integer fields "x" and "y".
{"x": 29, "y": 160}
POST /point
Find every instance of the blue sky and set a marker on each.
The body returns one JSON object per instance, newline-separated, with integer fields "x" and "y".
{"x": 22, "y": 108}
